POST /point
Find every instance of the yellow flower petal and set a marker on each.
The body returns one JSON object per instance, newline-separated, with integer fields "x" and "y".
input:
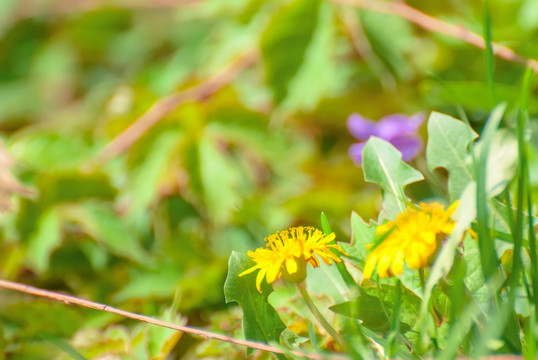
{"x": 259, "y": 278}
{"x": 398, "y": 263}
{"x": 273, "y": 271}
{"x": 413, "y": 237}
{"x": 384, "y": 264}
{"x": 413, "y": 259}
{"x": 370, "y": 265}
{"x": 249, "y": 270}
{"x": 291, "y": 265}
{"x": 289, "y": 251}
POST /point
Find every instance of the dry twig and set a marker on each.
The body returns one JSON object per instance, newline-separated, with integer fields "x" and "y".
{"x": 163, "y": 106}
{"x": 397, "y": 8}
{"x": 67, "y": 299}
{"x": 430, "y": 23}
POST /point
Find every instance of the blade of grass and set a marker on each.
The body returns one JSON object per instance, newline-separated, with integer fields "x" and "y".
{"x": 485, "y": 240}
{"x": 510, "y": 238}
{"x": 488, "y": 55}
{"x": 313, "y": 337}
{"x": 395, "y": 323}
{"x": 532, "y": 249}
{"x": 524, "y": 183}
{"x": 466, "y": 320}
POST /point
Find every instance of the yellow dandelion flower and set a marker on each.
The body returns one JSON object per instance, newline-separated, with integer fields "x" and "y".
{"x": 413, "y": 237}
{"x": 287, "y": 252}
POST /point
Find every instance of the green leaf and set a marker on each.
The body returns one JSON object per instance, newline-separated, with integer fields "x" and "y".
{"x": 143, "y": 185}
{"x": 260, "y": 320}
{"x": 474, "y": 280}
{"x": 391, "y": 38}
{"x": 107, "y": 228}
{"x": 158, "y": 284}
{"x": 317, "y": 77}
{"x": 368, "y": 309}
{"x": 362, "y": 235}
{"x": 161, "y": 340}
{"x": 473, "y": 95}
{"x": 291, "y": 339}
{"x": 284, "y": 44}
{"x": 448, "y": 148}
{"x": 43, "y": 242}
{"x": 501, "y": 162}
{"x": 62, "y": 150}
{"x": 219, "y": 180}
{"x": 383, "y": 165}
{"x": 71, "y": 186}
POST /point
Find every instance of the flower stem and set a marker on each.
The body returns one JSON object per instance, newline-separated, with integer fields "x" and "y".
{"x": 324, "y": 323}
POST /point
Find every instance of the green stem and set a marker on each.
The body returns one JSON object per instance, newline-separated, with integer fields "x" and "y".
{"x": 422, "y": 279}
{"x": 324, "y": 323}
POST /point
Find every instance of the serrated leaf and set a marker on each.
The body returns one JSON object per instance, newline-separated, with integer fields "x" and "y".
{"x": 383, "y": 165}
{"x": 285, "y": 41}
{"x": 291, "y": 339}
{"x": 448, "y": 142}
{"x": 161, "y": 340}
{"x": 362, "y": 235}
{"x": 260, "y": 320}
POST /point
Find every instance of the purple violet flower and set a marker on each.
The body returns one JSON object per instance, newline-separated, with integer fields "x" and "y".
{"x": 398, "y": 129}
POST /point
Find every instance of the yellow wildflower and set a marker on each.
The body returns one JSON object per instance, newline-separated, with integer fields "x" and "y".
{"x": 287, "y": 252}
{"x": 413, "y": 237}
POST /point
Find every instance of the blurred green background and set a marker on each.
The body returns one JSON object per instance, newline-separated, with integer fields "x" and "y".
{"x": 150, "y": 230}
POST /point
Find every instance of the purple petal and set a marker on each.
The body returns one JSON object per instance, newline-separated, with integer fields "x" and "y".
{"x": 361, "y": 127}
{"x": 355, "y": 153}
{"x": 409, "y": 146}
{"x": 395, "y": 125}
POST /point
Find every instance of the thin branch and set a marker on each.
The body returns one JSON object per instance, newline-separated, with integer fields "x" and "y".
{"x": 68, "y": 300}
{"x": 433, "y": 24}
{"x": 163, "y": 106}
{"x": 27, "y": 9}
